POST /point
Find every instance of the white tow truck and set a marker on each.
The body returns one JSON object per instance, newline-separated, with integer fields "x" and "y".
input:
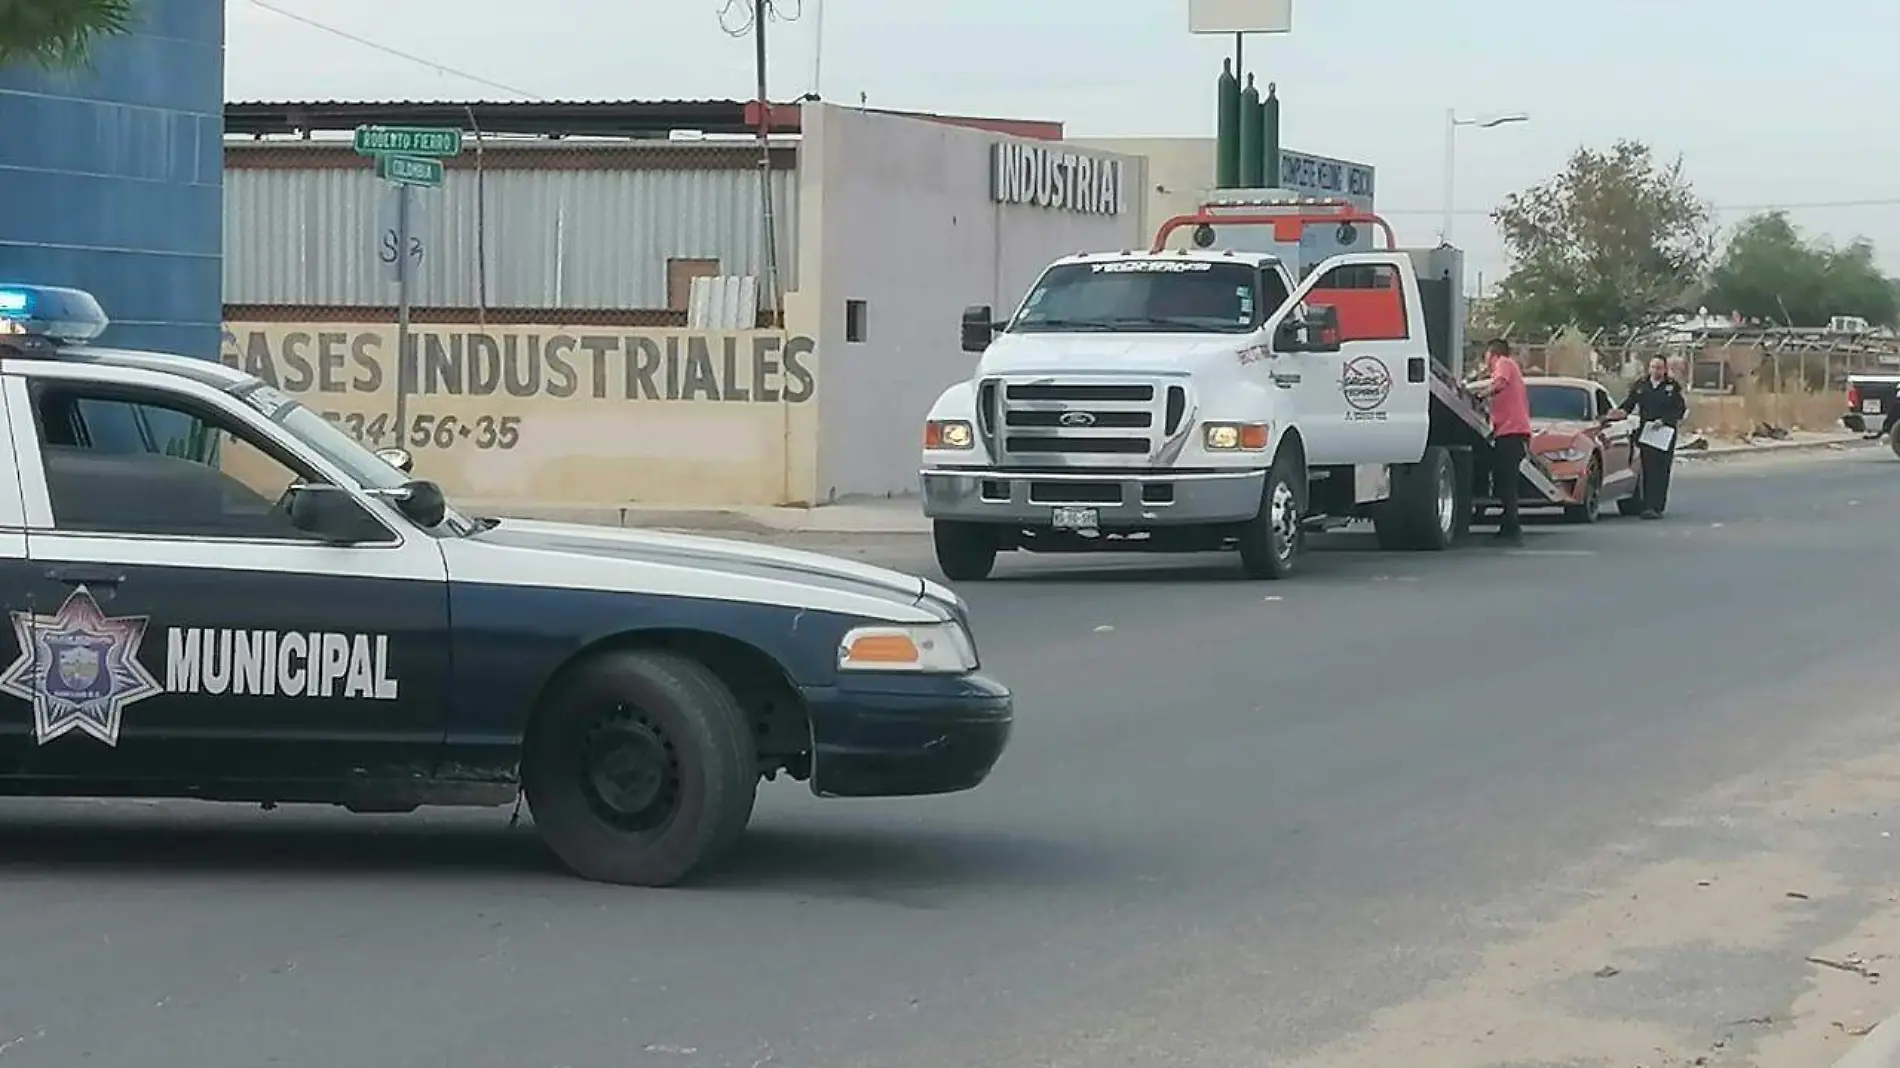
{"x": 1204, "y": 399}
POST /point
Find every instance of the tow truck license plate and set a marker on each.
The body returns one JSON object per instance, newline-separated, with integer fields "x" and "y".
{"x": 1068, "y": 517}
{"x": 1871, "y": 407}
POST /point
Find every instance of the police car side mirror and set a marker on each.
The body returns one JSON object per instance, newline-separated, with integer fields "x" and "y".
{"x": 979, "y": 327}
{"x": 398, "y": 459}
{"x": 330, "y": 513}
{"x": 422, "y": 501}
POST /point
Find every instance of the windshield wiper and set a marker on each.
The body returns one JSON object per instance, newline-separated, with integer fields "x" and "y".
{"x": 1066, "y": 324}
{"x": 1171, "y": 322}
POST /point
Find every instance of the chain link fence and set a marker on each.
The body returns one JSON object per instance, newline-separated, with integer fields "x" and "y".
{"x": 1741, "y": 383}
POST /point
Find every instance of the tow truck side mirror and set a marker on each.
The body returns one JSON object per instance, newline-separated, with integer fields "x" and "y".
{"x": 979, "y": 327}
{"x": 330, "y": 513}
{"x": 1317, "y": 330}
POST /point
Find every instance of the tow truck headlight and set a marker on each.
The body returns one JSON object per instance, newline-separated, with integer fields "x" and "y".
{"x": 1234, "y": 437}
{"x": 918, "y": 649}
{"x": 948, "y": 434}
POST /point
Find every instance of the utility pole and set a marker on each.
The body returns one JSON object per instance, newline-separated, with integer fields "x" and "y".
{"x": 768, "y": 231}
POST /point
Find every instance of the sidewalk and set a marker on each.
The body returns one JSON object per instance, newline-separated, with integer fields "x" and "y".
{"x": 904, "y": 515}
{"x": 896, "y": 515}
{"x": 1798, "y": 441}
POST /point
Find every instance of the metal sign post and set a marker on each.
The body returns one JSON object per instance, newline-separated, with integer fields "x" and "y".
{"x": 408, "y": 158}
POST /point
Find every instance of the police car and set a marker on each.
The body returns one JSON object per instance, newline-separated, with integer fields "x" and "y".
{"x": 215, "y": 593}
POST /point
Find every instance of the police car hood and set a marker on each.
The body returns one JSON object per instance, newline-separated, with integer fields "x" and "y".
{"x": 1083, "y": 353}
{"x": 737, "y": 560}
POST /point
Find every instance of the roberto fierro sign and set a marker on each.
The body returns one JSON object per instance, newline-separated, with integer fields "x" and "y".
{"x": 1050, "y": 177}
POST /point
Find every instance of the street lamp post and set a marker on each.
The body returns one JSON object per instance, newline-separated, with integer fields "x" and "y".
{"x": 1452, "y": 122}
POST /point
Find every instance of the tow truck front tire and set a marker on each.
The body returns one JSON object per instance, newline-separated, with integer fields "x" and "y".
{"x": 966, "y": 552}
{"x": 1273, "y": 540}
{"x": 639, "y": 768}
{"x": 1425, "y": 508}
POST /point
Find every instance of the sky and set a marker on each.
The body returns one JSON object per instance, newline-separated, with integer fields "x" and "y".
{"x": 1780, "y": 105}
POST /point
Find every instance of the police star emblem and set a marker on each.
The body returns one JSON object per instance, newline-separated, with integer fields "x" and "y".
{"x": 79, "y": 667}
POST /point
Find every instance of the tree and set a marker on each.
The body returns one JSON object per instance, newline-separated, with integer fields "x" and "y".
{"x": 1609, "y": 245}
{"x": 58, "y": 34}
{"x": 1770, "y": 272}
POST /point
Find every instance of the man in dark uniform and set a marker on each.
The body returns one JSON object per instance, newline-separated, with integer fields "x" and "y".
{"x": 1656, "y": 399}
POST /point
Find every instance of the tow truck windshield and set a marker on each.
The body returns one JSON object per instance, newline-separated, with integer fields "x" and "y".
{"x": 1157, "y": 295}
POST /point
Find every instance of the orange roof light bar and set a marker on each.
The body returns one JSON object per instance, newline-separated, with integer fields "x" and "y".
{"x": 1289, "y": 218}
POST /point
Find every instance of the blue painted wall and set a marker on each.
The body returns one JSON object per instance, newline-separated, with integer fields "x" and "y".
{"x": 112, "y": 180}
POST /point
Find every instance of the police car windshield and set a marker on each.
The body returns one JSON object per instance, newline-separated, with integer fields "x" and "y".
{"x": 1150, "y": 295}
{"x": 323, "y": 436}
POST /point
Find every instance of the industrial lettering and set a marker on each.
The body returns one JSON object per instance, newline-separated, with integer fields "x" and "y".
{"x": 673, "y": 366}
{"x": 268, "y": 663}
{"x": 1045, "y": 177}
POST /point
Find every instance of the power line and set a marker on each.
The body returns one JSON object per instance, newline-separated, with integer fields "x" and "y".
{"x": 398, "y": 53}
{"x": 1786, "y": 205}
{"x": 747, "y": 11}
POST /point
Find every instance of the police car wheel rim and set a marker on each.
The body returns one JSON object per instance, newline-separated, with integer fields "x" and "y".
{"x": 631, "y": 771}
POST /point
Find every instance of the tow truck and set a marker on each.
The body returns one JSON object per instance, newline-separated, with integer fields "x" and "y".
{"x": 1218, "y": 398}
{"x": 214, "y": 593}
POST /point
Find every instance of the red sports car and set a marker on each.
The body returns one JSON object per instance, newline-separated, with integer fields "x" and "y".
{"x": 1587, "y": 442}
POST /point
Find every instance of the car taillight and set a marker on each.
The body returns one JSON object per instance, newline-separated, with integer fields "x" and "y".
{"x": 1853, "y": 396}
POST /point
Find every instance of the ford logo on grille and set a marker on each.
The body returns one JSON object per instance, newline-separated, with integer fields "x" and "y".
{"x": 1077, "y": 419}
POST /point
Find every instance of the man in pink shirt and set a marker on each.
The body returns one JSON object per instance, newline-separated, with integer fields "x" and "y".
{"x": 1510, "y": 429}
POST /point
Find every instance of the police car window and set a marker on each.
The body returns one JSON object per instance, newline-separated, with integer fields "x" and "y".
{"x": 1144, "y": 295}
{"x": 135, "y": 463}
{"x": 324, "y": 438}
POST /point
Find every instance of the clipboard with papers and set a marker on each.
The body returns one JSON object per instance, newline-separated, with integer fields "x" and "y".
{"x": 1657, "y": 436}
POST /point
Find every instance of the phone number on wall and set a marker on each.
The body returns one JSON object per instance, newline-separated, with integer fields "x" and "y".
{"x": 430, "y": 431}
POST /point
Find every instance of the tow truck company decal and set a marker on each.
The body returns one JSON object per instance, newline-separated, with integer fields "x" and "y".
{"x": 1155, "y": 266}
{"x": 1365, "y": 382}
{"x": 268, "y": 663}
{"x": 79, "y": 668}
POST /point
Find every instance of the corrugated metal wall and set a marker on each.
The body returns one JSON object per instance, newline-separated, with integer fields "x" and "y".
{"x": 555, "y": 238}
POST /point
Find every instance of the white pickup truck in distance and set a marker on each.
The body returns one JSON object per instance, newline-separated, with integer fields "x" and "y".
{"x": 1198, "y": 400}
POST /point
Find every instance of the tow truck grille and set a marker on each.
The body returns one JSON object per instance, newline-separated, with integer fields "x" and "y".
{"x": 1058, "y": 423}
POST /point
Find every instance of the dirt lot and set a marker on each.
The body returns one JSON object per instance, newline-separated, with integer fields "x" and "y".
{"x": 1668, "y": 967}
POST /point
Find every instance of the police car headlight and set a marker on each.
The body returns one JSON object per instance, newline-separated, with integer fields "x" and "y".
{"x": 925, "y": 649}
{"x": 948, "y": 434}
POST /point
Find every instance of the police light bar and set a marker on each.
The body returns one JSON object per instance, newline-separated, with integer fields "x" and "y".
{"x": 62, "y": 316}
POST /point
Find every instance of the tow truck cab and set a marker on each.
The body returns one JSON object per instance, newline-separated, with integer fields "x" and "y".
{"x": 1214, "y": 398}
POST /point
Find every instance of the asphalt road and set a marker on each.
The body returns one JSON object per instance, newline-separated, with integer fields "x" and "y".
{"x": 1236, "y": 819}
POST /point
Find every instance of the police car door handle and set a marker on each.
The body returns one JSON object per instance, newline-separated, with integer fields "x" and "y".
{"x": 85, "y": 576}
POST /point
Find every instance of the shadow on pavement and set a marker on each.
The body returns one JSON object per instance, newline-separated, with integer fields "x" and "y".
{"x": 844, "y": 860}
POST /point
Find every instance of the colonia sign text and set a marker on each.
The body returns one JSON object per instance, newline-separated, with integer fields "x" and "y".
{"x": 1048, "y": 177}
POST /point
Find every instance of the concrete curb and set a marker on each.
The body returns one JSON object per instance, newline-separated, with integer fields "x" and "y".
{"x": 904, "y": 516}
{"x": 1879, "y": 1049}
{"x": 1774, "y": 448}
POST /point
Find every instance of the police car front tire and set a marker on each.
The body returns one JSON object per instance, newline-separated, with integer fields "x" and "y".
{"x": 640, "y": 768}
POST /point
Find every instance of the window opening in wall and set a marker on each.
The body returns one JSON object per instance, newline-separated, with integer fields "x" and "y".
{"x": 854, "y": 321}
{"x": 679, "y": 280}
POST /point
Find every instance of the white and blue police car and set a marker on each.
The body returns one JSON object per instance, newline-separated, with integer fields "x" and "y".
{"x": 216, "y": 593}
